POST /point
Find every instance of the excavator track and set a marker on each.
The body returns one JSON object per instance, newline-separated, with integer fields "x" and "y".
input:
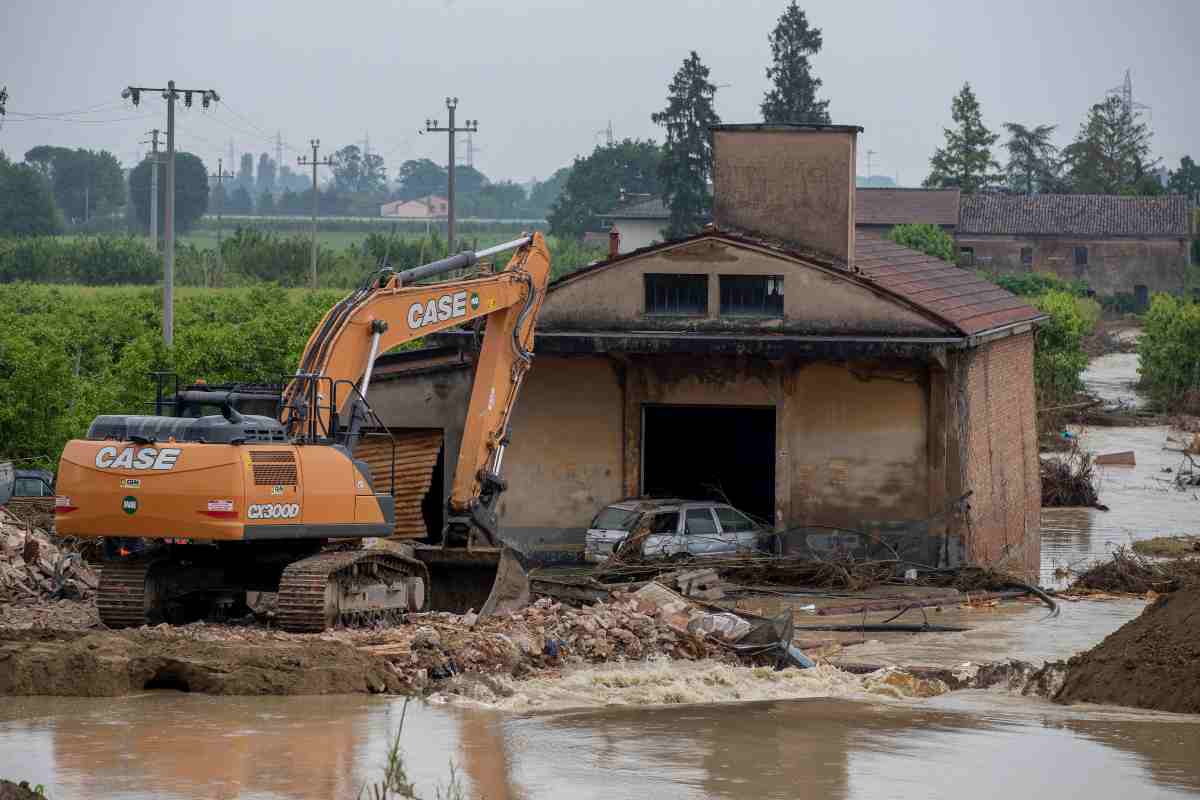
{"x": 318, "y": 592}
{"x": 124, "y": 599}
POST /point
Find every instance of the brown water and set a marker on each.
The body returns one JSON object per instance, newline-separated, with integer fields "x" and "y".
{"x": 970, "y": 744}
{"x": 1143, "y": 502}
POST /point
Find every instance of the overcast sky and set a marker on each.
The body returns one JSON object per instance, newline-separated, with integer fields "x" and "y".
{"x": 543, "y": 78}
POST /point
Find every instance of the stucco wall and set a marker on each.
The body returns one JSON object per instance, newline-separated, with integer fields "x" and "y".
{"x": 997, "y": 422}
{"x": 637, "y": 233}
{"x": 815, "y": 300}
{"x": 794, "y": 185}
{"x": 1114, "y": 265}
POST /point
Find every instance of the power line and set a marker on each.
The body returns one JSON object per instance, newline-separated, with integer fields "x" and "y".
{"x": 170, "y": 94}
{"x": 315, "y": 162}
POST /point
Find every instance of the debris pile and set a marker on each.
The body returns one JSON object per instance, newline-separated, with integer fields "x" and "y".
{"x": 1127, "y": 572}
{"x": 34, "y": 565}
{"x": 1151, "y": 662}
{"x": 1069, "y": 480}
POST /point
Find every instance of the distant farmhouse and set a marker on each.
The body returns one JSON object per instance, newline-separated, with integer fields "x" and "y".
{"x": 429, "y": 207}
{"x": 1118, "y": 245}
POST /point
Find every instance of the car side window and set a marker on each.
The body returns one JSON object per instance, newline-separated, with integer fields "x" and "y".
{"x": 734, "y": 521}
{"x": 700, "y": 522}
{"x": 665, "y": 523}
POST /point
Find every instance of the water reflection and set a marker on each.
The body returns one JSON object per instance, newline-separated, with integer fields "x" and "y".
{"x": 963, "y": 745}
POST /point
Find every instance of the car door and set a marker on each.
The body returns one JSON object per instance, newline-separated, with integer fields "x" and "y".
{"x": 741, "y": 532}
{"x": 664, "y": 538}
{"x": 701, "y": 535}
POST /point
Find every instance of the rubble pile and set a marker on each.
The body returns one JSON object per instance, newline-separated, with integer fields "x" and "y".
{"x": 35, "y": 566}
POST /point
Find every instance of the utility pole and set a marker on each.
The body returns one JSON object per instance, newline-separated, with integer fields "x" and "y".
{"x": 219, "y": 178}
{"x": 431, "y": 126}
{"x": 154, "y": 188}
{"x": 315, "y": 162}
{"x": 170, "y": 94}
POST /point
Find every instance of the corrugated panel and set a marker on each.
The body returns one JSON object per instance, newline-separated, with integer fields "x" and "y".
{"x": 416, "y": 456}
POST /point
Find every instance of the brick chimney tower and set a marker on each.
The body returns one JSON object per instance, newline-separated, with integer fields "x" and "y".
{"x": 789, "y": 182}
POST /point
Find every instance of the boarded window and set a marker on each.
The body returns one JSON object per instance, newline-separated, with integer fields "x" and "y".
{"x": 752, "y": 295}
{"x": 677, "y": 294}
{"x": 416, "y": 456}
{"x": 966, "y": 257}
{"x": 1027, "y": 256}
{"x": 1081, "y": 256}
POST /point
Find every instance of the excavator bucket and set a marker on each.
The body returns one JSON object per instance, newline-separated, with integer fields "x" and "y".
{"x": 490, "y": 580}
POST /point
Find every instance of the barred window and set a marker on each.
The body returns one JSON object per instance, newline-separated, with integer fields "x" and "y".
{"x": 752, "y": 295}
{"x": 1081, "y": 256}
{"x": 677, "y": 294}
{"x": 1027, "y": 256}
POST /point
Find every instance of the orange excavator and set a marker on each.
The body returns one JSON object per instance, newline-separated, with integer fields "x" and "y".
{"x": 196, "y": 509}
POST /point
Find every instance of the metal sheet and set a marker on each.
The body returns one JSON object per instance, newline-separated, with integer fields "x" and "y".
{"x": 416, "y": 457}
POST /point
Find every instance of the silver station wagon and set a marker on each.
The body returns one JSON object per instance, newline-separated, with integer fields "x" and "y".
{"x": 677, "y": 527}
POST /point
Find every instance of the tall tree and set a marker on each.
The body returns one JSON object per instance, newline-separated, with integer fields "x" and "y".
{"x": 1111, "y": 152}
{"x": 686, "y": 167}
{"x": 793, "y": 96}
{"x": 26, "y": 203}
{"x": 84, "y": 182}
{"x": 266, "y": 173}
{"x": 1034, "y": 164}
{"x": 191, "y": 192}
{"x": 596, "y": 182}
{"x": 966, "y": 160}
{"x": 421, "y": 178}
{"x": 353, "y": 172}
{"x": 1186, "y": 179}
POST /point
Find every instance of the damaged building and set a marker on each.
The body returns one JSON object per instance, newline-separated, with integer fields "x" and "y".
{"x": 861, "y": 397}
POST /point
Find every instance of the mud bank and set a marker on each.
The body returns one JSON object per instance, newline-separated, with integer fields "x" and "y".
{"x": 1151, "y": 662}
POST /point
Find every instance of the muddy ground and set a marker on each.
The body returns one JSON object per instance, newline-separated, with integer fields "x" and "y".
{"x": 1152, "y": 662}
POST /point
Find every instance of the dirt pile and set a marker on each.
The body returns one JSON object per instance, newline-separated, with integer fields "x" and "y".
{"x": 34, "y": 565}
{"x": 416, "y": 656}
{"x": 1150, "y": 662}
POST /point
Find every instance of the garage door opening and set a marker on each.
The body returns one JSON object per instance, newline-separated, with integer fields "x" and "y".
{"x": 711, "y": 452}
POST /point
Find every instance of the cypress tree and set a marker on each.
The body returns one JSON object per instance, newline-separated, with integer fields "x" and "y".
{"x": 793, "y": 97}
{"x": 686, "y": 167}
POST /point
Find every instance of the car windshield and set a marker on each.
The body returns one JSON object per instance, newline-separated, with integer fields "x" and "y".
{"x": 615, "y": 519}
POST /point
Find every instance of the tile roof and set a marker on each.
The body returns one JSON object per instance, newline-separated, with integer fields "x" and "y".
{"x": 1075, "y": 215}
{"x": 652, "y": 208}
{"x": 958, "y": 298}
{"x": 901, "y": 206}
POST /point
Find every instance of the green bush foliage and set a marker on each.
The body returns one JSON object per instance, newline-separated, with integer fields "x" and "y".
{"x": 1169, "y": 353}
{"x": 249, "y": 256}
{"x": 1059, "y": 359}
{"x": 1034, "y": 284}
{"x": 929, "y": 239}
{"x": 68, "y": 354}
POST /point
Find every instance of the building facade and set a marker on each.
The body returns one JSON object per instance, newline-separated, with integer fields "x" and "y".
{"x": 1117, "y": 245}
{"x": 430, "y": 207}
{"x": 859, "y": 397}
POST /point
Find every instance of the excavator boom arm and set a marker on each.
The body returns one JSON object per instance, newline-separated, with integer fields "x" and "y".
{"x": 378, "y": 318}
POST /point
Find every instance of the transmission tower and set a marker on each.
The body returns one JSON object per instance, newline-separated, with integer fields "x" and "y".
{"x": 1125, "y": 92}
{"x": 278, "y": 150}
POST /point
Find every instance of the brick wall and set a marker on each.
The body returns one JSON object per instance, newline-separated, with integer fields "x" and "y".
{"x": 1000, "y": 457}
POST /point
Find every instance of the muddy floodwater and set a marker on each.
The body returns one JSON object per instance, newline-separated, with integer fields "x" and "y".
{"x": 969, "y": 744}
{"x": 1143, "y": 502}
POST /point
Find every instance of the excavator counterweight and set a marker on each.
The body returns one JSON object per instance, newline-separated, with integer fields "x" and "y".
{"x": 197, "y": 509}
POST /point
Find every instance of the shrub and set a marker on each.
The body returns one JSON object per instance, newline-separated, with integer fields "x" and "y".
{"x": 929, "y": 239}
{"x": 1033, "y": 284}
{"x": 1169, "y": 353}
{"x": 1059, "y": 359}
